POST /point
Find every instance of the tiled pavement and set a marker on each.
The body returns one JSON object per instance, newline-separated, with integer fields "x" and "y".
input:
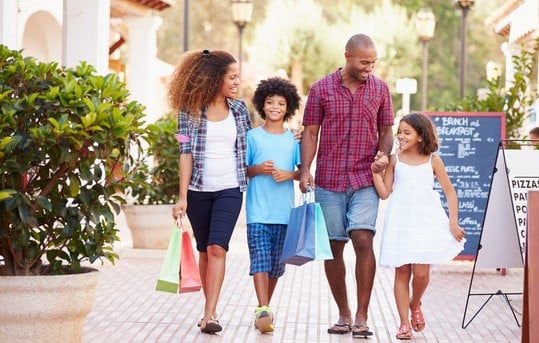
{"x": 128, "y": 309}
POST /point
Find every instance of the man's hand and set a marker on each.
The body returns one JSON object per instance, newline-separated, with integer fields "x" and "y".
{"x": 380, "y": 162}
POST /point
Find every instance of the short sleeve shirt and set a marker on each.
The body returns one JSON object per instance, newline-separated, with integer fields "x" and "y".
{"x": 192, "y": 137}
{"x": 348, "y": 129}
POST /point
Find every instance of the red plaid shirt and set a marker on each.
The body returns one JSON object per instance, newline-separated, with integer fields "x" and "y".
{"x": 348, "y": 129}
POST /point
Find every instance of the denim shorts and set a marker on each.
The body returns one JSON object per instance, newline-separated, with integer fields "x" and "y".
{"x": 347, "y": 211}
{"x": 265, "y": 248}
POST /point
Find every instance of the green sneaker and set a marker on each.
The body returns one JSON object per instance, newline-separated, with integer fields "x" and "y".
{"x": 264, "y": 319}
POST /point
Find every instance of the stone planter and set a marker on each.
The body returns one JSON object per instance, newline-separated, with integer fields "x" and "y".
{"x": 46, "y": 308}
{"x": 150, "y": 225}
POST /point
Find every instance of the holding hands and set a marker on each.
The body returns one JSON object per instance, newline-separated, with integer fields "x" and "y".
{"x": 380, "y": 162}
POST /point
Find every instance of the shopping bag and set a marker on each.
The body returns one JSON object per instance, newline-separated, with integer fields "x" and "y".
{"x": 189, "y": 275}
{"x": 306, "y": 236}
{"x": 169, "y": 277}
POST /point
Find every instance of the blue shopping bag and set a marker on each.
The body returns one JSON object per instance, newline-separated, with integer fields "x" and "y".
{"x": 306, "y": 235}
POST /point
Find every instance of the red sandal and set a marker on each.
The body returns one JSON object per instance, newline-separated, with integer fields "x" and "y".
{"x": 417, "y": 319}
{"x": 405, "y": 332}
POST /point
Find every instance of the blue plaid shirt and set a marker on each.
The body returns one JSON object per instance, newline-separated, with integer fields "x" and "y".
{"x": 192, "y": 133}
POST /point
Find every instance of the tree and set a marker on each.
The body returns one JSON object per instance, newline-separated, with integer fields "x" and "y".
{"x": 306, "y": 38}
{"x": 514, "y": 100}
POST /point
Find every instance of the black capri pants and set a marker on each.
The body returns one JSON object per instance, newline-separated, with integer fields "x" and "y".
{"x": 213, "y": 216}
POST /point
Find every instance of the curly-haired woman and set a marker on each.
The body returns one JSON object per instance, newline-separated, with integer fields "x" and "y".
{"x": 212, "y": 128}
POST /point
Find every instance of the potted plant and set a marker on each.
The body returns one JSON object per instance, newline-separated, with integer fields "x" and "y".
{"x": 155, "y": 189}
{"x": 63, "y": 131}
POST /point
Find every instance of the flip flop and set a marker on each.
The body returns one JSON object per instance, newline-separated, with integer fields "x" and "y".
{"x": 340, "y": 329}
{"x": 362, "y": 331}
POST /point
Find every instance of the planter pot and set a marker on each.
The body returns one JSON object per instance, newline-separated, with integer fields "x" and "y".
{"x": 150, "y": 225}
{"x": 46, "y": 308}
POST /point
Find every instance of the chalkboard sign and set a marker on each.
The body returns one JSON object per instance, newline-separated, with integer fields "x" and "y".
{"x": 468, "y": 144}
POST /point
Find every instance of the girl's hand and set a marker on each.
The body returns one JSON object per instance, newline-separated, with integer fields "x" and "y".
{"x": 380, "y": 162}
{"x": 457, "y": 232}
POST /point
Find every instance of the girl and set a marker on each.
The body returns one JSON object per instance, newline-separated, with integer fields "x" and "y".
{"x": 417, "y": 231}
{"x": 212, "y": 129}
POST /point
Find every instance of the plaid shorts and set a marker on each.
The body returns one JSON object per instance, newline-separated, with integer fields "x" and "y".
{"x": 265, "y": 248}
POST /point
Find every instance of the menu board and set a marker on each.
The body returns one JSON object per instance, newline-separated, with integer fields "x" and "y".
{"x": 468, "y": 144}
{"x": 523, "y": 174}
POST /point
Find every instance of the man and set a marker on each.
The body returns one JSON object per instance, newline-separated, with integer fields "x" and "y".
{"x": 352, "y": 110}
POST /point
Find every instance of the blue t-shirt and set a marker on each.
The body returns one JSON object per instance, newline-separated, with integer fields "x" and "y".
{"x": 270, "y": 202}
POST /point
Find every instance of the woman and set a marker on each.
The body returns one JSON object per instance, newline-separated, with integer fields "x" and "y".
{"x": 212, "y": 127}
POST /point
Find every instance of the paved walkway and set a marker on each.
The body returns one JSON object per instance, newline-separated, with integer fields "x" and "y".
{"x": 128, "y": 309}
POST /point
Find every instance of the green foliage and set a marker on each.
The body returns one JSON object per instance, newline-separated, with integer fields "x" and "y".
{"x": 514, "y": 100}
{"x": 158, "y": 183}
{"x": 63, "y": 131}
{"x": 270, "y": 39}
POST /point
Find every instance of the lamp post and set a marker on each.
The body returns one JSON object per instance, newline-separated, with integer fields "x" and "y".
{"x": 465, "y": 6}
{"x": 424, "y": 26}
{"x": 185, "y": 25}
{"x": 241, "y": 15}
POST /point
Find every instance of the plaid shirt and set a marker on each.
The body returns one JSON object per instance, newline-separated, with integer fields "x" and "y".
{"x": 192, "y": 138}
{"x": 349, "y": 129}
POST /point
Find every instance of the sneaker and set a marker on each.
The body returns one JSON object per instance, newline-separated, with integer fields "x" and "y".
{"x": 264, "y": 319}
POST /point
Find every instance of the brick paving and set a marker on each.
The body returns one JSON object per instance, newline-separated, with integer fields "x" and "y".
{"x": 128, "y": 309}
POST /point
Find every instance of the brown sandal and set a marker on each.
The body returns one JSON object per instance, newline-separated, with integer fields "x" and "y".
{"x": 212, "y": 326}
{"x": 417, "y": 319}
{"x": 405, "y": 332}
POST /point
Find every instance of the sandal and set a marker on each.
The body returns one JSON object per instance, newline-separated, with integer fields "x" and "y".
{"x": 417, "y": 319}
{"x": 199, "y": 323}
{"x": 405, "y": 332}
{"x": 212, "y": 326}
{"x": 340, "y": 329}
{"x": 362, "y": 330}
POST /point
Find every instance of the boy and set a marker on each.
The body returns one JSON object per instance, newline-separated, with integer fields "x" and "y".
{"x": 272, "y": 160}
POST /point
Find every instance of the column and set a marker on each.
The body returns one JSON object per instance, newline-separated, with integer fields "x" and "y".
{"x": 142, "y": 57}
{"x": 8, "y": 23}
{"x": 86, "y": 33}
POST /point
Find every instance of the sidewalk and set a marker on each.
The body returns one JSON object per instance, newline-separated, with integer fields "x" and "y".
{"x": 128, "y": 309}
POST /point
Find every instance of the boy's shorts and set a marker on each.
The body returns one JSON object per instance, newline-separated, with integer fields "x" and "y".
{"x": 347, "y": 211}
{"x": 265, "y": 248}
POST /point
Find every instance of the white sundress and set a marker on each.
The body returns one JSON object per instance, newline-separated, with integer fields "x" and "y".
{"x": 416, "y": 226}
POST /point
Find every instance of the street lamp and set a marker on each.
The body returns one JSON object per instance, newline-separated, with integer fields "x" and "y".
{"x": 424, "y": 26}
{"x": 465, "y": 6}
{"x": 241, "y": 15}
{"x": 185, "y": 25}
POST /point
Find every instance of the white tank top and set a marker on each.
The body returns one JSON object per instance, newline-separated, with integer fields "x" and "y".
{"x": 220, "y": 159}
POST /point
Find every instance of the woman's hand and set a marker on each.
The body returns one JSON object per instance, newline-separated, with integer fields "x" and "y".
{"x": 178, "y": 210}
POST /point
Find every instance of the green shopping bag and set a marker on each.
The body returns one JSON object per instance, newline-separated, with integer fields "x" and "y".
{"x": 169, "y": 277}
